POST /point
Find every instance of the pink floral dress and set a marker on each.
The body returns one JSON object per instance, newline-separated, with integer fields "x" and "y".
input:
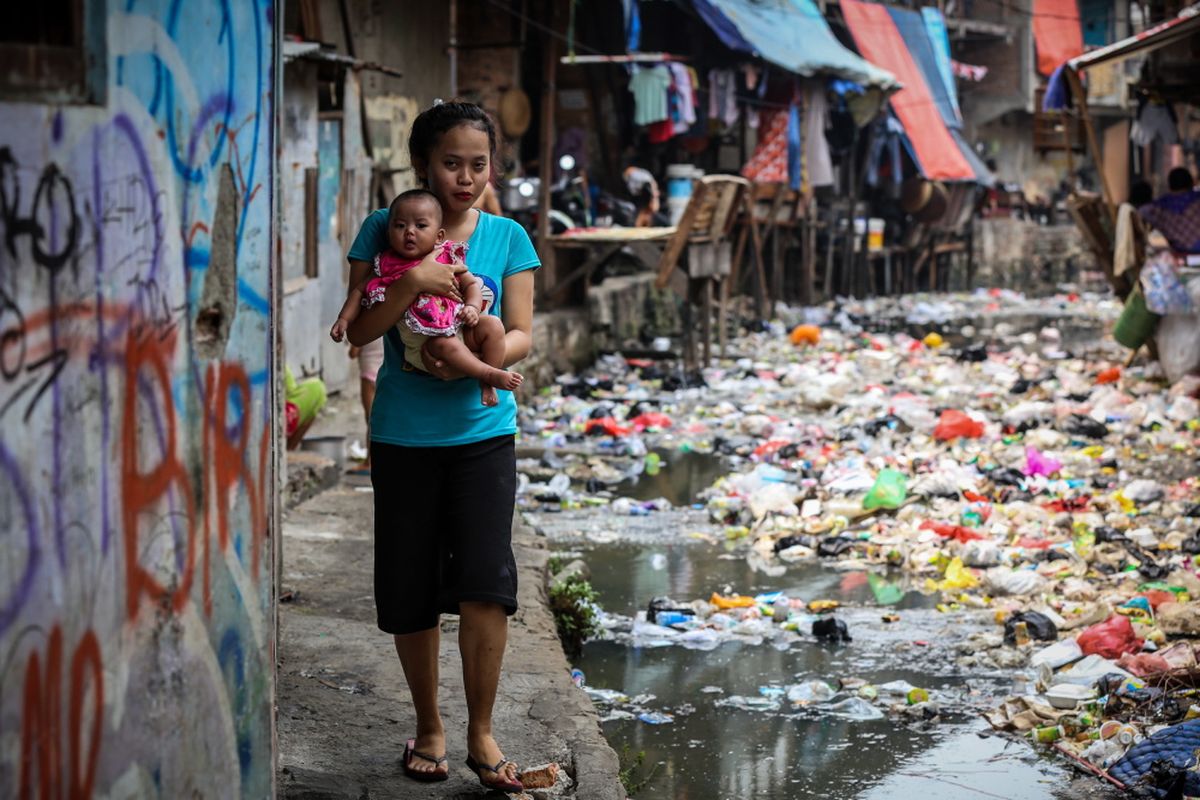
{"x": 429, "y": 314}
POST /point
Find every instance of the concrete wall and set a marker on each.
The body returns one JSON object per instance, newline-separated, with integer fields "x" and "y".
{"x": 137, "y": 411}
{"x": 332, "y": 145}
{"x": 412, "y": 39}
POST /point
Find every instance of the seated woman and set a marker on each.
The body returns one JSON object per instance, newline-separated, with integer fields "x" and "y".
{"x": 1177, "y": 214}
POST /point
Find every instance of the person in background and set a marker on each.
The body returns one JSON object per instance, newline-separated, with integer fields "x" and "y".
{"x": 370, "y": 359}
{"x": 1176, "y": 214}
{"x": 643, "y": 188}
{"x": 489, "y": 201}
{"x": 303, "y": 400}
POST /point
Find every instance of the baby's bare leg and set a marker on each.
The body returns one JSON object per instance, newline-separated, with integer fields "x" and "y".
{"x": 486, "y": 340}
{"x": 458, "y": 355}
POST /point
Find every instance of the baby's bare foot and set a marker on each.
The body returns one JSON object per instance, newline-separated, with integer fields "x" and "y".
{"x": 487, "y": 394}
{"x": 503, "y": 379}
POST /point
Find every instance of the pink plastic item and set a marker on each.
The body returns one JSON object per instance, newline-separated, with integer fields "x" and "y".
{"x": 1037, "y": 463}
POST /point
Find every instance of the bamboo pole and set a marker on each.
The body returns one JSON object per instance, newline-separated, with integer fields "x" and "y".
{"x": 1093, "y": 146}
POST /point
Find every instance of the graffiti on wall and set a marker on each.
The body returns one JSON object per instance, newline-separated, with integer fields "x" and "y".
{"x": 136, "y": 417}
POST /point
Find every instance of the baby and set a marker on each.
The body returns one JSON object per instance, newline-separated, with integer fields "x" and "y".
{"x": 458, "y": 333}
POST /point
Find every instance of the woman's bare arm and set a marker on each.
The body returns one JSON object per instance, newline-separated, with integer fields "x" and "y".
{"x": 517, "y": 313}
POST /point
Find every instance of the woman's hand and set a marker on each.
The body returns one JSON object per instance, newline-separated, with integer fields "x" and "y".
{"x": 434, "y": 277}
{"x": 436, "y": 367}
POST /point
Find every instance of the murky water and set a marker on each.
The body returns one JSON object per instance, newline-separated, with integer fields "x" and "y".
{"x": 712, "y": 749}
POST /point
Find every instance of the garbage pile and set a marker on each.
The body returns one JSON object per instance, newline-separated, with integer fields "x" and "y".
{"x": 1017, "y": 475}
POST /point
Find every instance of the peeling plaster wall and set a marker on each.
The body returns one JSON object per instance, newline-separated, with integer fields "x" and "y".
{"x": 137, "y": 413}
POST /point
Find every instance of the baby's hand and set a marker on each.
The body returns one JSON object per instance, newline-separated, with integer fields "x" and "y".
{"x": 469, "y": 315}
{"x": 338, "y": 331}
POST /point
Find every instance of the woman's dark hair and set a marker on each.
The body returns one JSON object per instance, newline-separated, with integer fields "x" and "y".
{"x": 433, "y": 122}
{"x": 1140, "y": 193}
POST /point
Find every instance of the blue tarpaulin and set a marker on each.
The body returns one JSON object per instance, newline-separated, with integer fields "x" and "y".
{"x": 939, "y": 37}
{"x": 791, "y": 34}
{"x": 916, "y": 35}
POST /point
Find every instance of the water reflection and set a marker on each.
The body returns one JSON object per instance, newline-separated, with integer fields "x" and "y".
{"x": 712, "y": 751}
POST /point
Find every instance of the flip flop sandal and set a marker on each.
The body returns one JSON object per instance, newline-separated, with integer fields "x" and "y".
{"x": 503, "y": 785}
{"x": 411, "y": 752}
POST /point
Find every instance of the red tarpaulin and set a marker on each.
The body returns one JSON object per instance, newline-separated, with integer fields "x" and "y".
{"x": 879, "y": 41}
{"x": 1057, "y": 33}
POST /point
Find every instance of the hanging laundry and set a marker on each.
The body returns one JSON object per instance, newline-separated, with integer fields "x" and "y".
{"x": 684, "y": 107}
{"x": 817, "y": 159}
{"x": 1155, "y": 121}
{"x": 769, "y": 163}
{"x": 649, "y": 87}
{"x": 795, "y": 159}
{"x": 884, "y": 158}
{"x": 722, "y": 96}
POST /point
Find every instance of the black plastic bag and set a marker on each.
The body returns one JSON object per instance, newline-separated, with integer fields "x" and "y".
{"x": 834, "y": 546}
{"x": 785, "y": 542}
{"x": 1038, "y": 625}
{"x": 831, "y": 629}
{"x": 1079, "y": 425}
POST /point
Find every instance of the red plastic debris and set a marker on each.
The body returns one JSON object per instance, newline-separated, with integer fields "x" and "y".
{"x": 949, "y": 531}
{"x": 651, "y": 419}
{"x": 1110, "y": 638}
{"x": 1110, "y": 375}
{"x": 606, "y": 425}
{"x": 953, "y": 424}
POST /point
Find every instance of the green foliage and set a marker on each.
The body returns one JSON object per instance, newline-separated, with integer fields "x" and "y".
{"x": 630, "y": 765}
{"x": 555, "y": 563}
{"x": 572, "y": 601}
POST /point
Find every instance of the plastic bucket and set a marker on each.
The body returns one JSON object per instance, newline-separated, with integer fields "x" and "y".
{"x": 1136, "y": 323}
{"x": 679, "y": 180}
{"x": 875, "y": 227}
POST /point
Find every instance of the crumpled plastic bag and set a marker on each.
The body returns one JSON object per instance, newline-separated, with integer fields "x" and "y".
{"x": 774, "y": 498}
{"x": 1110, "y": 638}
{"x": 805, "y": 334}
{"x": 957, "y": 577}
{"x": 1037, "y": 463}
{"x": 1002, "y": 580}
{"x": 1164, "y": 291}
{"x": 1143, "y": 664}
{"x": 1039, "y": 626}
{"x": 953, "y": 424}
{"x": 889, "y": 490}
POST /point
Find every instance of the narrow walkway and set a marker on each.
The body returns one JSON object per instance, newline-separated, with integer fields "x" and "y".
{"x": 344, "y": 710}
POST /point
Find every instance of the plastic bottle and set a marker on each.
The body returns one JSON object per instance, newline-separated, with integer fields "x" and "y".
{"x": 782, "y": 609}
{"x": 1048, "y": 734}
{"x": 1021, "y": 629}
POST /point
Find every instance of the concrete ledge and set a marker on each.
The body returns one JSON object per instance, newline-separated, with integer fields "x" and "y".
{"x": 344, "y": 710}
{"x": 308, "y": 474}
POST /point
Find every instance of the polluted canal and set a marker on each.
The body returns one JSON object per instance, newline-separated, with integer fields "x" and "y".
{"x": 717, "y": 524}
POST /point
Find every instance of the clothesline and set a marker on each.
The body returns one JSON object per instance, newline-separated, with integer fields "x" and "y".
{"x": 625, "y": 58}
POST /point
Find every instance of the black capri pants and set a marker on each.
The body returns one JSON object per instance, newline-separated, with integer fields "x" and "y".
{"x": 443, "y": 530}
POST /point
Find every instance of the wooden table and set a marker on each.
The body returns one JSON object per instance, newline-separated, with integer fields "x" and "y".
{"x": 601, "y": 244}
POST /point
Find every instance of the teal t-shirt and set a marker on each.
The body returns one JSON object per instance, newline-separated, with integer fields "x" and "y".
{"x": 414, "y": 409}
